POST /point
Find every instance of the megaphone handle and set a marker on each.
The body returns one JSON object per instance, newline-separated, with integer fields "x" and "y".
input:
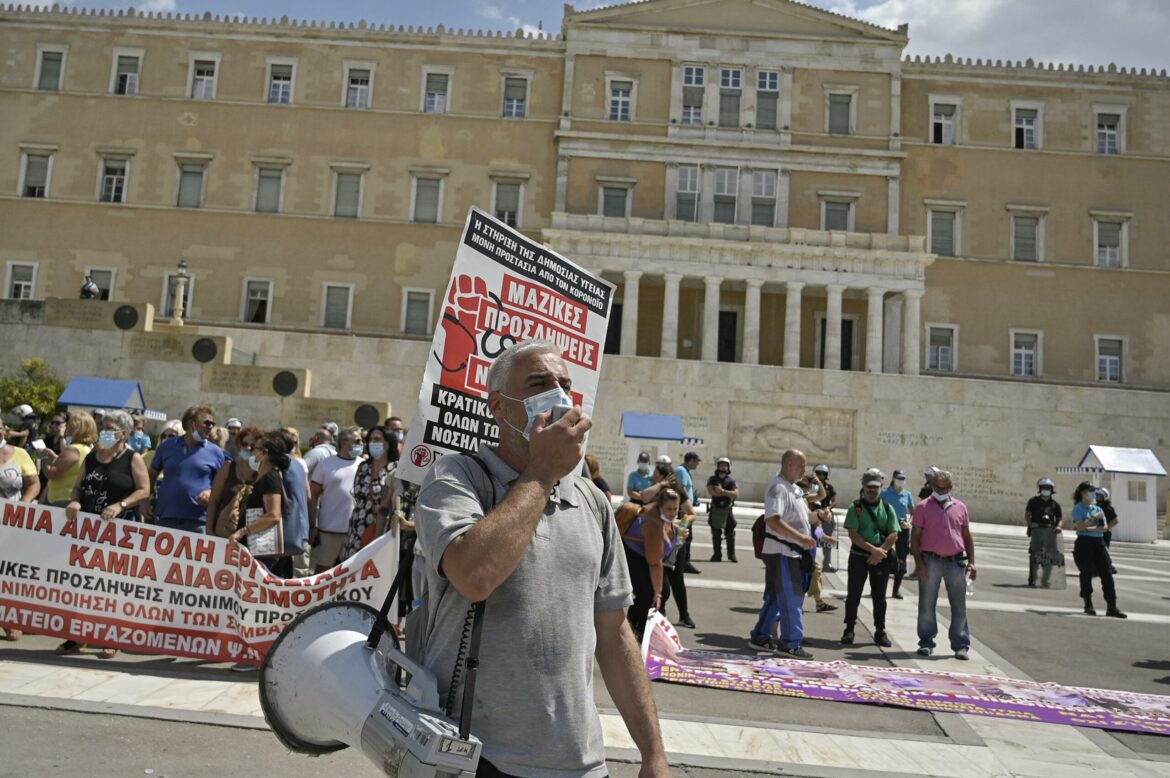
{"x": 472, "y": 669}
{"x": 382, "y": 623}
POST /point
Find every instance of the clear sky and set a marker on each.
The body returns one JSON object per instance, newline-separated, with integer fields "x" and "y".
{"x": 1099, "y": 32}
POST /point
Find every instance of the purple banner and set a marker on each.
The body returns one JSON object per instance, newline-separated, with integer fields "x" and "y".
{"x": 977, "y": 695}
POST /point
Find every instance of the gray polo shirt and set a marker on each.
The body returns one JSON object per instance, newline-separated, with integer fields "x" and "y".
{"x": 534, "y": 705}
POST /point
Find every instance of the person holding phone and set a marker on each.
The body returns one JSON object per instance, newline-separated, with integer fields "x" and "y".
{"x": 1089, "y": 551}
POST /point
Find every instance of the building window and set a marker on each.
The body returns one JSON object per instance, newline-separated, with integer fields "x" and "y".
{"x": 357, "y": 88}
{"x": 840, "y": 119}
{"x": 103, "y": 279}
{"x": 942, "y": 123}
{"x": 113, "y": 181}
{"x": 427, "y": 200}
{"x": 126, "y": 70}
{"x": 621, "y": 101}
{"x": 21, "y": 280}
{"x": 203, "y": 79}
{"x": 764, "y": 198}
{"x": 347, "y": 198}
{"x": 416, "y": 311}
{"x": 507, "y": 207}
{"x": 170, "y": 285}
{"x": 269, "y": 182}
{"x": 36, "y": 175}
{"x": 1110, "y": 359}
{"x": 191, "y": 178}
{"x": 1136, "y": 491}
{"x": 1026, "y": 353}
{"x": 1026, "y": 123}
{"x": 693, "y": 87}
{"x": 940, "y": 350}
{"x": 280, "y": 83}
{"x": 1109, "y": 243}
{"x": 726, "y": 188}
{"x": 336, "y": 304}
{"x": 435, "y": 91}
{"x": 615, "y": 201}
{"x": 943, "y": 232}
{"x": 687, "y": 202}
{"x": 515, "y": 97}
{"x": 1026, "y": 238}
{"x": 767, "y": 98}
{"x": 730, "y": 90}
{"x": 257, "y": 294}
{"x": 836, "y": 216}
{"x": 1108, "y": 133}
{"x": 50, "y": 68}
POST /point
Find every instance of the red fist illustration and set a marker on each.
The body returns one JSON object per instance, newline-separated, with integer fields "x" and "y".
{"x": 459, "y": 325}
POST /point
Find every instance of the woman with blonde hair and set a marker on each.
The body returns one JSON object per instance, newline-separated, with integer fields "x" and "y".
{"x": 61, "y": 470}
{"x": 648, "y": 540}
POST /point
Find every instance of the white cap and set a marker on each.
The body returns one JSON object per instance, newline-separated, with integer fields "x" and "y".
{"x": 23, "y": 410}
{"x": 233, "y": 422}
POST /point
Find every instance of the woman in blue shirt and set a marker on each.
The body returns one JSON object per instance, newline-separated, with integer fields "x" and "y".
{"x": 1090, "y": 553}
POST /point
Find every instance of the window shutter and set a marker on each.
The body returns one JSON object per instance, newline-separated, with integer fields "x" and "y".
{"x": 283, "y": 72}
{"x": 190, "y": 186}
{"x": 1109, "y": 234}
{"x": 693, "y": 96}
{"x": 729, "y": 108}
{"x": 613, "y": 201}
{"x": 1026, "y": 341}
{"x": 50, "y": 71}
{"x": 1025, "y": 113}
{"x": 1025, "y": 248}
{"x": 766, "y": 110}
{"x": 839, "y": 114}
{"x": 336, "y": 307}
{"x": 426, "y": 200}
{"x": 763, "y": 212}
{"x": 268, "y": 191}
{"x": 942, "y": 233}
{"x": 36, "y": 172}
{"x": 349, "y": 187}
{"x": 437, "y": 83}
{"x": 508, "y": 197}
{"x": 127, "y": 65}
{"x": 837, "y": 216}
{"x": 1109, "y": 348}
{"x": 515, "y": 88}
{"x": 944, "y": 109}
{"x": 417, "y": 320}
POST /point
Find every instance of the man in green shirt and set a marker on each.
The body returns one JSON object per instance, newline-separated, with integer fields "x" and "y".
{"x": 873, "y": 532}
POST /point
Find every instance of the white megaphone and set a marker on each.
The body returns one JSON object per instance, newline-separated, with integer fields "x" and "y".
{"x": 323, "y": 688}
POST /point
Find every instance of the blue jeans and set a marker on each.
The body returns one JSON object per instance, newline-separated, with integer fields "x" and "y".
{"x": 783, "y": 600}
{"x": 954, "y": 573}
{"x": 187, "y": 525}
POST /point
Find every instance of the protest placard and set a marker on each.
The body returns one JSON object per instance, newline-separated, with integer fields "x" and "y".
{"x": 504, "y": 289}
{"x": 143, "y": 588}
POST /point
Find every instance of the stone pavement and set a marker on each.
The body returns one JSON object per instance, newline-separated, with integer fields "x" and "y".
{"x": 153, "y": 687}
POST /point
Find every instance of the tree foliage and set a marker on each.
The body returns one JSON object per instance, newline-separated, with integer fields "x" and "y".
{"x": 35, "y": 384}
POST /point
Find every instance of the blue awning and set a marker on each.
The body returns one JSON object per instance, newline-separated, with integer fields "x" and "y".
{"x": 653, "y": 426}
{"x": 107, "y": 393}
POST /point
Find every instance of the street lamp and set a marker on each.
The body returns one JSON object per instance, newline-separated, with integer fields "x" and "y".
{"x": 181, "y": 279}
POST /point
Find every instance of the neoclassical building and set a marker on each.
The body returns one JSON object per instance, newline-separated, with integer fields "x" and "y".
{"x": 767, "y": 183}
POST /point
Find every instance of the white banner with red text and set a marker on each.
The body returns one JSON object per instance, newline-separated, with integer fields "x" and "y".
{"x": 152, "y": 590}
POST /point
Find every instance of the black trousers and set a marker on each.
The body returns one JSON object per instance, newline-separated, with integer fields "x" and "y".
{"x": 643, "y": 590}
{"x": 859, "y": 573}
{"x": 1092, "y": 558}
{"x": 902, "y": 550}
{"x": 676, "y": 576}
{"x": 717, "y": 536}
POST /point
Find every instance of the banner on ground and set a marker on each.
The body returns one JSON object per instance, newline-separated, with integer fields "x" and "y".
{"x": 148, "y": 589}
{"x": 504, "y": 289}
{"x": 978, "y": 695}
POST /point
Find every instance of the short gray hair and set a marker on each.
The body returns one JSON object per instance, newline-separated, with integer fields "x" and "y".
{"x": 122, "y": 419}
{"x": 501, "y": 370}
{"x": 353, "y": 433}
{"x": 943, "y": 475}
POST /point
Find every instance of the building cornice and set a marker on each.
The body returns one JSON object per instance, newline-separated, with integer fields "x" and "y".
{"x": 1030, "y": 70}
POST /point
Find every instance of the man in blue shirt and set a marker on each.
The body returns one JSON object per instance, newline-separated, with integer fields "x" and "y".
{"x": 189, "y": 463}
{"x": 902, "y": 502}
{"x": 639, "y": 479}
{"x": 686, "y": 481}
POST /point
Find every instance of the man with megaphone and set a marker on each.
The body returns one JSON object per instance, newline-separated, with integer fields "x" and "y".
{"x": 523, "y": 532}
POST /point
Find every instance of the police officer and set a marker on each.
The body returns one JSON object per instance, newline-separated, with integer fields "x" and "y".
{"x": 1043, "y": 515}
{"x": 1110, "y": 519}
{"x": 724, "y": 491}
{"x": 927, "y": 488}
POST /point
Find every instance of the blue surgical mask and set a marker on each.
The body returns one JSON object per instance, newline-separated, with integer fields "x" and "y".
{"x": 68, "y": 440}
{"x": 107, "y": 439}
{"x": 252, "y": 462}
{"x": 399, "y": 435}
{"x": 377, "y": 449}
{"x": 196, "y": 436}
{"x": 1091, "y": 499}
{"x": 356, "y": 450}
{"x": 941, "y": 497}
{"x": 538, "y": 404}
{"x": 3, "y": 443}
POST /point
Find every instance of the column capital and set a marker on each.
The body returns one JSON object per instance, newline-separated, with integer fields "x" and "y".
{"x": 913, "y": 294}
{"x": 672, "y": 277}
{"x": 876, "y": 291}
{"x": 835, "y": 288}
{"x": 631, "y": 275}
{"x": 754, "y": 283}
{"x": 713, "y": 280}
{"x": 794, "y": 286}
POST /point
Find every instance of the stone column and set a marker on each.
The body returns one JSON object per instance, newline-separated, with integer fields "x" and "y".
{"x": 562, "y": 191}
{"x": 751, "y": 323}
{"x": 711, "y": 319}
{"x": 670, "y": 317}
{"x": 892, "y": 338}
{"x": 911, "y": 326}
{"x": 893, "y": 204}
{"x": 629, "y": 346}
{"x": 792, "y": 323}
{"x": 832, "y": 352}
{"x": 873, "y": 330}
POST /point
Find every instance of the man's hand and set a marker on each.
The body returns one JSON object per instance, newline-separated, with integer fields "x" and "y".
{"x": 555, "y": 450}
{"x": 920, "y": 569}
{"x": 807, "y": 541}
{"x": 876, "y": 557}
{"x": 656, "y": 769}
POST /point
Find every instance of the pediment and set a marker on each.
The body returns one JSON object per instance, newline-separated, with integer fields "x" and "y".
{"x": 754, "y": 17}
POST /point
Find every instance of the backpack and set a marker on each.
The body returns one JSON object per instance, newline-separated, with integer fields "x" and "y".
{"x": 625, "y": 515}
{"x": 759, "y": 532}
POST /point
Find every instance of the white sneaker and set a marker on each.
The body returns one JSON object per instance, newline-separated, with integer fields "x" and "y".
{"x": 961, "y": 654}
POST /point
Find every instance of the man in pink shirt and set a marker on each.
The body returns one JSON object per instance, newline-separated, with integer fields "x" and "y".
{"x": 940, "y": 540}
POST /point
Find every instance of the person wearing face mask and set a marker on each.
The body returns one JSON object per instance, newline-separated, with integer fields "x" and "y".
{"x": 1089, "y": 551}
{"x": 521, "y": 531}
{"x": 374, "y": 476}
{"x": 720, "y": 511}
{"x": 639, "y": 478}
{"x": 873, "y": 531}
{"x": 899, "y": 498}
{"x": 265, "y": 505}
{"x": 61, "y": 471}
{"x": 18, "y": 474}
{"x": 396, "y": 431}
{"x": 1043, "y": 516}
{"x": 189, "y": 464}
{"x": 331, "y": 499}
{"x": 112, "y": 481}
{"x": 928, "y": 482}
{"x": 231, "y": 486}
{"x": 944, "y": 552}
{"x": 648, "y": 541}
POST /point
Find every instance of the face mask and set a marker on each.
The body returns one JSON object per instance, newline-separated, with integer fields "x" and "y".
{"x": 68, "y": 440}
{"x": 941, "y": 497}
{"x": 643, "y": 468}
{"x": 399, "y": 435}
{"x": 107, "y": 439}
{"x": 252, "y": 462}
{"x": 1046, "y": 492}
{"x": 196, "y": 436}
{"x": 1091, "y": 499}
{"x": 356, "y": 450}
{"x": 813, "y": 489}
{"x": 900, "y": 483}
{"x": 3, "y": 443}
{"x": 542, "y": 403}
{"x": 377, "y": 449}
